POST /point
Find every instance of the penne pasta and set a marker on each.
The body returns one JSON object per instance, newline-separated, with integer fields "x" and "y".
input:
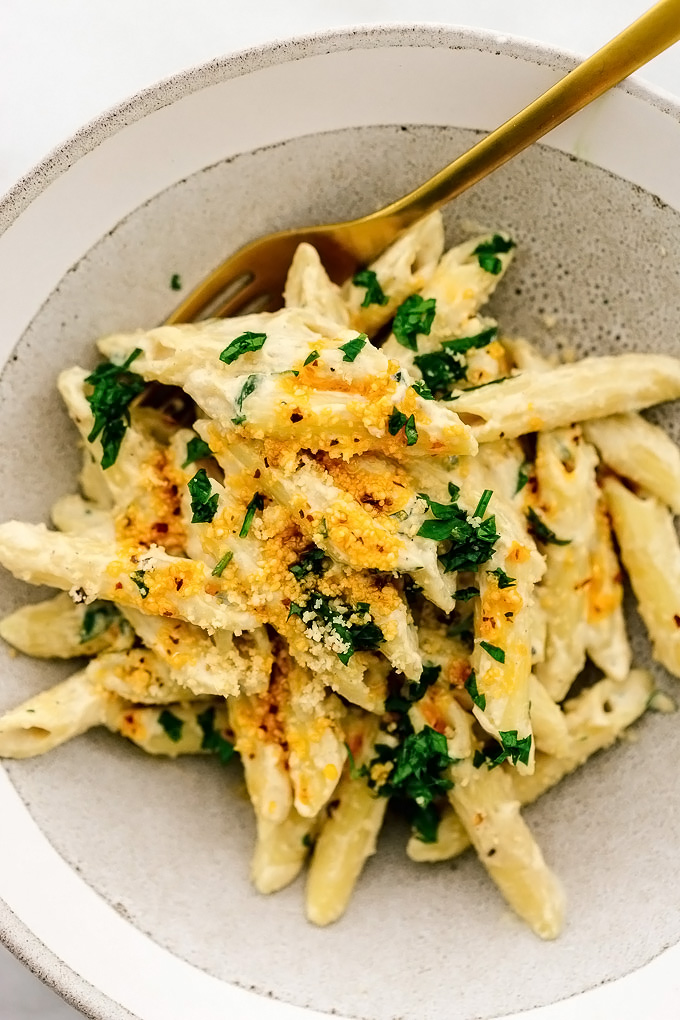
{"x": 651, "y": 555}
{"x": 308, "y": 286}
{"x": 59, "y": 629}
{"x": 566, "y": 501}
{"x": 369, "y": 568}
{"x": 538, "y": 401}
{"x": 56, "y": 715}
{"x": 595, "y": 719}
{"x": 400, "y": 271}
{"x": 643, "y": 453}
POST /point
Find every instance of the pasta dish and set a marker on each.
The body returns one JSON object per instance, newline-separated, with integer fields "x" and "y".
{"x": 366, "y": 544}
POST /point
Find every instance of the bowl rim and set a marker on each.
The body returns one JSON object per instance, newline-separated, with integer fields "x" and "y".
{"x": 23, "y": 943}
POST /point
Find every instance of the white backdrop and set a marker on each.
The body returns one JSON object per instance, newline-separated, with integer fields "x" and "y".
{"x": 63, "y": 62}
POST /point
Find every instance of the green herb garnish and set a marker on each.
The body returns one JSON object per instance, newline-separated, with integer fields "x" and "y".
{"x": 416, "y": 779}
{"x": 203, "y": 500}
{"x": 414, "y": 691}
{"x": 353, "y": 347}
{"x": 256, "y": 503}
{"x": 471, "y": 687}
{"x": 197, "y": 449}
{"x": 172, "y": 725}
{"x": 247, "y": 388}
{"x": 98, "y": 617}
{"x": 504, "y": 581}
{"x": 414, "y": 316}
{"x": 212, "y": 739}
{"x": 220, "y": 566}
{"x": 465, "y": 594}
{"x": 335, "y": 618}
{"x": 522, "y": 476}
{"x": 175, "y": 282}
{"x": 488, "y": 251}
{"x": 138, "y": 578}
{"x": 542, "y": 532}
{"x": 115, "y": 387}
{"x": 310, "y": 358}
{"x": 463, "y": 344}
{"x": 471, "y": 544}
{"x": 422, "y": 390}
{"x": 374, "y": 293}
{"x": 440, "y": 371}
{"x": 513, "y": 747}
{"x": 484, "y": 501}
{"x": 311, "y": 562}
{"x": 242, "y": 344}
{"x": 398, "y": 421}
{"x": 493, "y": 650}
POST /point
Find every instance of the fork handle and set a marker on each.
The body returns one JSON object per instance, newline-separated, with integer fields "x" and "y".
{"x": 650, "y": 35}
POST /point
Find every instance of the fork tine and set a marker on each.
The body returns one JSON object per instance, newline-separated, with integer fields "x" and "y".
{"x": 257, "y": 292}
{"x": 264, "y": 263}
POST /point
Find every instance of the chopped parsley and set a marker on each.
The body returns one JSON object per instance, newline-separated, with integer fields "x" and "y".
{"x": 514, "y": 748}
{"x": 175, "y": 282}
{"x": 203, "y": 500}
{"x": 172, "y": 725}
{"x": 247, "y": 388}
{"x": 311, "y": 562}
{"x": 422, "y": 390}
{"x": 138, "y": 578}
{"x": 483, "y": 504}
{"x": 212, "y": 738}
{"x": 471, "y": 687}
{"x": 114, "y": 389}
{"x": 336, "y": 622}
{"x": 242, "y": 344}
{"x": 471, "y": 544}
{"x": 463, "y": 344}
{"x": 256, "y": 503}
{"x": 99, "y": 616}
{"x": 488, "y": 251}
{"x": 465, "y": 594}
{"x": 307, "y": 841}
{"x": 414, "y": 316}
{"x": 414, "y": 691}
{"x": 542, "y": 532}
{"x": 522, "y": 476}
{"x": 374, "y": 293}
{"x": 493, "y": 650}
{"x": 440, "y": 371}
{"x": 415, "y": 780}
{"x": 353, "y": 347}
{"x": 197, "y": 449}
{"x": 478, "y": 759}
{"x": 220, "y": 566}
{"x": 504, "y": 580}
{"x": 398, "y": 421}
{"x": 310, "y": 358}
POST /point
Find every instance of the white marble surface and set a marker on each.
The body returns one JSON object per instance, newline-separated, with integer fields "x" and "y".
{"x": 63, "y": 63}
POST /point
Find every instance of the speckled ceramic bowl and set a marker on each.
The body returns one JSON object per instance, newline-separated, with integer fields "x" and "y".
{"x": 124, "y": 880}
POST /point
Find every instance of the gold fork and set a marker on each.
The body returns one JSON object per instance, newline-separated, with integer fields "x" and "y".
{"x": 255, "y": 275}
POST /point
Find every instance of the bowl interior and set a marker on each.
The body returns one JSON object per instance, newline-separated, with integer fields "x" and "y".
{"x": 167, "y": 844}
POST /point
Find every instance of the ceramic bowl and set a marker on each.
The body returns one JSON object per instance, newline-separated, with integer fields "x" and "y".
{"x": 124, "y": 880}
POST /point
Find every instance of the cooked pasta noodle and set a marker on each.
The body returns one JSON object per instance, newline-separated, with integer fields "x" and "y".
{"x": 344, "y": 563}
